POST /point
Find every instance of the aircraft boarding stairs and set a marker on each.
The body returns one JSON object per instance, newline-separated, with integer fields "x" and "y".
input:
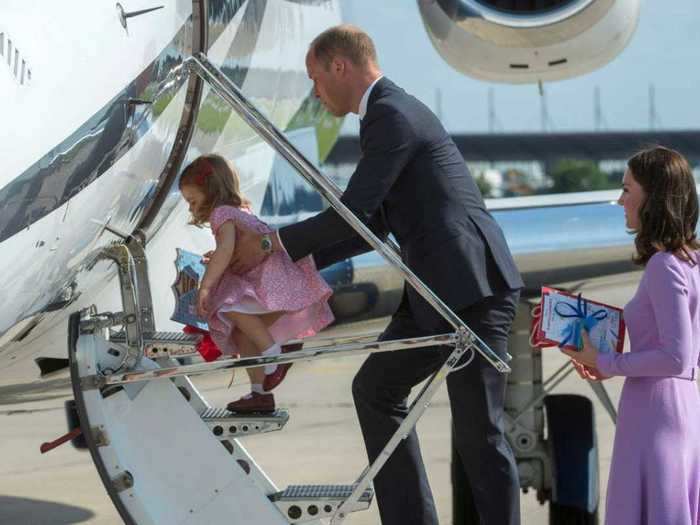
{"x": 152, "y": 435}
{"x": 130, "y": 390}
{"x": 184, "y": 477}
{"x": 299, "y": 502}
{"x": 165, "y": 347}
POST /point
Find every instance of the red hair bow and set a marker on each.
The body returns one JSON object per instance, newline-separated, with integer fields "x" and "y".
{"x": 203, "y": 172}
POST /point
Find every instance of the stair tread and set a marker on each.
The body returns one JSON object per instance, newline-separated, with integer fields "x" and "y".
{"x": 160, "y": 337}
{"x": 305, "y": 492}
{"x": 211, "y": 414}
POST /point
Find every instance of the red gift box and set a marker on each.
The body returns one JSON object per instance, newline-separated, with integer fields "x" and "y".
{"x": 537, "y": 335}
{"x": 206, "y": 346}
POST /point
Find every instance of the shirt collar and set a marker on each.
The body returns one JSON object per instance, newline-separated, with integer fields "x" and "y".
{"x": 365, "y": 99}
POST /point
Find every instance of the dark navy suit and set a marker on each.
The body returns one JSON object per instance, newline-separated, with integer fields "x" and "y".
{"x": 412, "y": 181}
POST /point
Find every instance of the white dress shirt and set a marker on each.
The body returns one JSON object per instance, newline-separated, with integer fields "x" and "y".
{"x": 362, "y": 111}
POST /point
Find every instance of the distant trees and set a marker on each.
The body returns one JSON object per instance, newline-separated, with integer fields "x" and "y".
{"x": 571, "y": 175}
{"x": 565, "y": 176}
{"x": 485, "y": 186}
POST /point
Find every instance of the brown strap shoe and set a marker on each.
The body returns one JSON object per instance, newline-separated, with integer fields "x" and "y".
{"x": 253, "y": 403}
{"x": 275, "y": 378}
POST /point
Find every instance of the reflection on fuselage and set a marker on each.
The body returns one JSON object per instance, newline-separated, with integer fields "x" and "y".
{"x": 108, "y": 167}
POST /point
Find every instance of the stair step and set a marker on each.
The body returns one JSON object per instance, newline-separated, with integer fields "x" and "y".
{"x": 167, "y": 344}
{"x": 311, "y": 502}
{"x": 163, "y": 344}
{"x": 225, "y": 424}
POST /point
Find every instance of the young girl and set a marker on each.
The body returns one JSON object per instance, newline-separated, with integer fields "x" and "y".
{"x": 255, "y": 312}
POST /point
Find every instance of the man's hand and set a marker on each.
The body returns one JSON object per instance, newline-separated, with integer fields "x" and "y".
{"x": 248, "y": 253}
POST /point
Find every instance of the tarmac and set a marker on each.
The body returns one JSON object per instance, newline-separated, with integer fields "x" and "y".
{"x": 321, "y": 444}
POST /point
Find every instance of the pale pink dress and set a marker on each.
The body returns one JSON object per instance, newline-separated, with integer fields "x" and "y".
{"x": 277, "y": 284}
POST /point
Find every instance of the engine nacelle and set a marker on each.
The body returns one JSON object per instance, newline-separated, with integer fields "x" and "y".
{"x": 520, "y": 41}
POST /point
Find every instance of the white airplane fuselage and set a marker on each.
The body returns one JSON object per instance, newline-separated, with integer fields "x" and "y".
{"x": 96, "y": 113}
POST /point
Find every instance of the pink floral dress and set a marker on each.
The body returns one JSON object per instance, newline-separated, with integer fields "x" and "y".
{"x": 277, "y": 284}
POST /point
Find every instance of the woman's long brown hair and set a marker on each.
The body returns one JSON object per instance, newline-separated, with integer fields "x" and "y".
{"x": 669, "y": 214}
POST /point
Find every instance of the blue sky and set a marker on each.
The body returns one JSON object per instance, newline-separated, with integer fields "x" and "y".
{"x": 665, "y": 51}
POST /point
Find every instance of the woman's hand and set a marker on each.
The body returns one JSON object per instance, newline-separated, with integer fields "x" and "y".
{"x": 588, "y": 373}
{"x": 203, "y": 302}
{"x": 581, "y": 370}
{"x": 207, "y": 257}
{"x": 587, "y": 356}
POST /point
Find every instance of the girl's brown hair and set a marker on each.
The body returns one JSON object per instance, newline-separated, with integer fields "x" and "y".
{"x": 219, "y": 182}
{"x": 669, "y": 214}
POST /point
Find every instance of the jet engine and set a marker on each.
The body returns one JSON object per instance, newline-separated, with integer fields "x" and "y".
{"x": 519, "y": 41}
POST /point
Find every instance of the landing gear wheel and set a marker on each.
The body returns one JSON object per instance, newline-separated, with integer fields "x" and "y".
{"x": 564, "y": 515}
{"x": 572, "y": 438}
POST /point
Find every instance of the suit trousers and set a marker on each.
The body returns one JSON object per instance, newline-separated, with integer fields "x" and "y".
{"x": 477, "y": 391}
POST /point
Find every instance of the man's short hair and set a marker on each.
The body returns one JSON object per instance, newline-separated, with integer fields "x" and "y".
{"x": 346, "y": 40}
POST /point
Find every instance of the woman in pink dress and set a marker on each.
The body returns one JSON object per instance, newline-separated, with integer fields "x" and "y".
{"x": 655, "y": 470}
{"x": 253, "y": 313}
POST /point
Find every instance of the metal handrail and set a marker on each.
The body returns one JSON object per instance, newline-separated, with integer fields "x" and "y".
{"x": 307, "y": 354}
{"x": 230, "y": 93}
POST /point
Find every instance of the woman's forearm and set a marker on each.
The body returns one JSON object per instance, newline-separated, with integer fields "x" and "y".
{"x": 639, "y": 364}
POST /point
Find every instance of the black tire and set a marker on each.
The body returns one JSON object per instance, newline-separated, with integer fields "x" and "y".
{"x": 572, "y": 440}
{"x": 564, "y": 515}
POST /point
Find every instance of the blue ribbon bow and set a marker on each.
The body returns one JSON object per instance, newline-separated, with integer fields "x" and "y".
{"x": 572, "y": 332}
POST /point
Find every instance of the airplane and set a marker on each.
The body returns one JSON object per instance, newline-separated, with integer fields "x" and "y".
{"x": 102, "y": 114}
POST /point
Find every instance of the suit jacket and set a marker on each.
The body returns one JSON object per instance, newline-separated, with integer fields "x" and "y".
{"x": 412, "y": 181}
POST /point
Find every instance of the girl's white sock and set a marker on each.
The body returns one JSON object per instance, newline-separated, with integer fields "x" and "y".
{"x": 273, "y": 350}
{"x": 257, "y": 388}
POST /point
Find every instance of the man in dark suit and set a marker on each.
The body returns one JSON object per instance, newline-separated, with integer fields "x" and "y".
{"x": 411, "y": 181}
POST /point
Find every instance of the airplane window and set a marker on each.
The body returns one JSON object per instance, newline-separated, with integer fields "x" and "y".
{"x": 16, "y": 61}
{"x": 2, "y": 43}
{"x": 21, "y": 76}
